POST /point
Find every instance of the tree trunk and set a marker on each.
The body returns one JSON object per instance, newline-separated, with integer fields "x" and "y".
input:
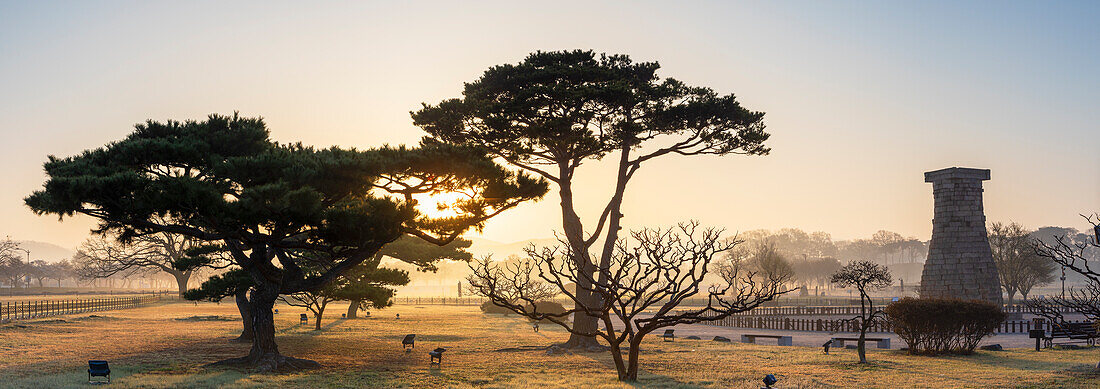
{"x": 574, "y": 232}
{"x": 1011, "y": 295}
{"x": 617, "y": 357}
{"x": 246, "y": 316}
{"x": 632, "y": 361}
{"x": 353, "y": 309}
{"x": 864, "y": 301}
{"x": 318, "y": 315}
{"x": 862, "y": 343}
{"x": 264, "y": 356}
{"x": 181, "y": 281}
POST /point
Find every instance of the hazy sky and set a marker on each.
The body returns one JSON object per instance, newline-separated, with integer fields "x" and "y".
{"x": 861, "y": 97}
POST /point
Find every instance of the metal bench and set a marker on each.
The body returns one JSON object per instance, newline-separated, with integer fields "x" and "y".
{"x": 668, "y": 335}
{"x": 782, "y": 339}
{"x": 98, "y": 369}
{"x": 408, "y": 342}
{"x": 436, "y": 356}
{"x": 881, "y": 342}
{"x": 1084, "y": 332}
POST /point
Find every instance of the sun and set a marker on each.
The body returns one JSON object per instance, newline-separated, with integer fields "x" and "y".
{"x": 439, "y": 205}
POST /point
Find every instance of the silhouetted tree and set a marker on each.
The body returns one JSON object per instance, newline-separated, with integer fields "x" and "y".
{"x": 366, "y": 283}
{"x": 412, "y": 250}
{"x": 864, "y": 276}
{"x": 103, "y": 256}
{"x": 887, "y": 242}
{"x": 222, "y": 180}
{"x": 816, "y": 270}
{"x": 1019, "y": 267}
{"x": 768, "y": 263}
{"x": 1075, "y": 254}
{"x": 556, "y": 110}
{"x": 12, "y": 266}
{"x": 235, "y": 282}
{"x": 645, "y": 283}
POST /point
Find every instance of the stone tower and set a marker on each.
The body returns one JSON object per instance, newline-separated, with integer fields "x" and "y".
{"x": 960, "y": 263}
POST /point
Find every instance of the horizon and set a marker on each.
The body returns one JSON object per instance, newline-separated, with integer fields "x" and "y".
{"x": 566, "y": 194}
{"x": 853, "y": 96}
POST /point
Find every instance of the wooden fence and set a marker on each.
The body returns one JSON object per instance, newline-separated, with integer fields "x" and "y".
{"x": 841, "y": 325}
{"x": 853, "y": 310}
{"x": 440, "y": 300}
{"x": 20, "y": 310}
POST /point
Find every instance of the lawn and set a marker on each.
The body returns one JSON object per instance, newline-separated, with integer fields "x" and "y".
{"x": 151, "y": 348}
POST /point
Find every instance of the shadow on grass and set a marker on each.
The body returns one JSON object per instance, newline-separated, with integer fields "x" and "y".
{"x": 646, "y": 378}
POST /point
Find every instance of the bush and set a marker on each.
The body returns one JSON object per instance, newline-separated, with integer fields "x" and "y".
{"x": 489, "y": 307}
{"x": 547, "y": 307}
{"x": 935, "y": 326}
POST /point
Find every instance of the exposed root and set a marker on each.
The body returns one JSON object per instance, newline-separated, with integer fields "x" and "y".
{"x": 269, "y": 363}
{"x": 582, "y": 346}
{"x": 241, "y": 339}
{"x": 522, "y": 348}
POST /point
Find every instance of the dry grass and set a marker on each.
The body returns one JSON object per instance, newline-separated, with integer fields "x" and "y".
{"x": 149, "y": 348}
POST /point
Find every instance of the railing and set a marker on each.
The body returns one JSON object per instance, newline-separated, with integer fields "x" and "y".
{"x": 841, "y": 325}
{"x": 439, "y": 300}
{"x": 20, "y": 310}
{"x": 854, "y": 310}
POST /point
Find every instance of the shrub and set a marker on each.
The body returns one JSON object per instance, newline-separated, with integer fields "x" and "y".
{"x": 935, "y": 326}
{"x": 548, "y": 307}
{"x": 489, "y": 307}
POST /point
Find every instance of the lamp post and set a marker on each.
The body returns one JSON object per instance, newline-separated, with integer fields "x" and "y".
{"x": 25, "y": 280}
{"x": 1063, "y": 278}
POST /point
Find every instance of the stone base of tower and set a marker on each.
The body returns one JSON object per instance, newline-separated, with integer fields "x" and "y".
{"x": 960, "y": 263}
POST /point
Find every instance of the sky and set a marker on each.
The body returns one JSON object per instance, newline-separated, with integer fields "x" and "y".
{"x": 861, "y": 98}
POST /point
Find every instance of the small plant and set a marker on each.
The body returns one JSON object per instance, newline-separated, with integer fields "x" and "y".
{"x": 865, "y": 276}
{"x": 943, "y": 326}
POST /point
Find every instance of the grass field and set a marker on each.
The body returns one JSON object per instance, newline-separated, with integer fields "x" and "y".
{"x": 151, "y": 348}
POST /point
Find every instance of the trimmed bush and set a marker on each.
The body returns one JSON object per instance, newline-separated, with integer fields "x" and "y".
{"x": 943, "y": 326}
{"x": 489, "y": 307}
{"x": 547, "y": 307}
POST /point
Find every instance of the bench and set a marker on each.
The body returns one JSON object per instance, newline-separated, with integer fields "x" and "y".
{"x": 303, "y": 319}
{"x": 668, "y": 335}
{"x": 436, "y": 356}
{"x": 407, "y": 342}
{"x": 1074, "y": 332}
{"x": 98, "y": 369}
{"x": 782, "y": 339}
{"x": 881, "y": 342}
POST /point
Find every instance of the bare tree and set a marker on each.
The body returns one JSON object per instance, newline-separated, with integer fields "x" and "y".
{"x": 769, "y": 263}
{"x": 12, "y": 267}
{"x": 103, "y": 256}
{"x": 648, "y": 277}
{"x": 865, "y": 276}
{"x": 887, "y": 242}
{"x": 1075, "y": 256}
{"x": 314, "y": 301}
{"x": 532, "y": 289}
{"x": 1019, "y": 267}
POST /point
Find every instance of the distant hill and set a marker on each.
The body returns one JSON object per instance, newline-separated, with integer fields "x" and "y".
{"x": 483, "y": 247}
{"x": 48, "y": 252}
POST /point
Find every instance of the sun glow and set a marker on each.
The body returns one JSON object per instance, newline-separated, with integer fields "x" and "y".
{"x": 439, "y": 205}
